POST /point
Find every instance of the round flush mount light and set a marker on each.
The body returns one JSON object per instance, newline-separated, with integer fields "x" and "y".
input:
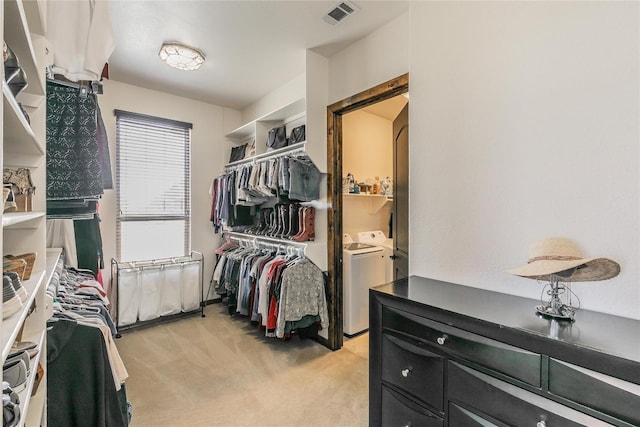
{"x": 180, "y": 56}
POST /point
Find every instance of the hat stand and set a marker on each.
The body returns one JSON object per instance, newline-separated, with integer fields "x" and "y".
{"x": 555, "y": 307}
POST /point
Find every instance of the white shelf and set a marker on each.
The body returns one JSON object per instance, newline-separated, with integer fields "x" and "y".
{"x": 21, "y": 219}
{"x": 299, "y": 146}
{"x": 286, "y": 113}
{"x": 242, "y": 133}
{"x": 296, "y": 108}
{"x": 367, "y": 195}
{"x": 18, "y": 135}
{"x": 23, "y": 145}
{"x": 18, "y": 37}
{"x": 35, "y": 11}
{"x": 27, "y": 402}
{"x": 37, "y": 408}
{"x": 11, "y": 326}
{"x": 53, "y": 256}
{"x": 376, "y": 201}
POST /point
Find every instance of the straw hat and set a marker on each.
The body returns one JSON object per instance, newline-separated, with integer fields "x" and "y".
{"x": 555, "y": 254}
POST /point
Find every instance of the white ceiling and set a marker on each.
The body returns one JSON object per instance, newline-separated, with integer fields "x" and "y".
{"x": 251, "y": 47}
{"x": 389, "y": 108}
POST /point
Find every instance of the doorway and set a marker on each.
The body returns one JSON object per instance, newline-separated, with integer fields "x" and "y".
{"x": 335, "y": 112}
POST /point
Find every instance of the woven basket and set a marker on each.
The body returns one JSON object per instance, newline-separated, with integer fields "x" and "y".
{"x": 29, "y": 260}
{"x": 24, "y": 202}
{"x": 14, "y": 265}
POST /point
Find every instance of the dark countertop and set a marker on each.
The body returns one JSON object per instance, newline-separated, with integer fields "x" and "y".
{"x": 613, "y": 335}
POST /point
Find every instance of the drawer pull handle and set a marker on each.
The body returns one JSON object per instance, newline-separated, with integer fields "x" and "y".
{"x": 405, "y": 372}
{"x": 441, "y": 340}
{"x": 542, "y": 423}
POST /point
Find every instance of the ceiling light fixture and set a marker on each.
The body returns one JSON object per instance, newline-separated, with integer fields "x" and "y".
{"x": 180, "y": 56}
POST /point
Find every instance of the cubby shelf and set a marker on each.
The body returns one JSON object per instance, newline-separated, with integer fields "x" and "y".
{"x": 23, "y": 145}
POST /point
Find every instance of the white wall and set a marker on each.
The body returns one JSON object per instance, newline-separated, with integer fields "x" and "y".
{"x": 524, "y": 124}
{"x": 207, "y": 152}
{"x": 381, "y": 56}
{"x": 312, "y": 86}
{"x": 367, "y": 146}
{"x": 367, "y": 152}
{"x": 276, "y": 99}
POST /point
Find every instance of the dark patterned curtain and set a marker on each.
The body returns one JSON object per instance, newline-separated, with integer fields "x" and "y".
{"x": 74, "y": 163}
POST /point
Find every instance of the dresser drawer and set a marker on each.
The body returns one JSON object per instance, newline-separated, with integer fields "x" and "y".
{"x": 509, "y": 404}
{"x": 506, "y": 359}
{"x": 612, "y": 396}
{"x": 400, "y": 411}
{"x": 409, "y": 366}
{"x": 461, "y": 417}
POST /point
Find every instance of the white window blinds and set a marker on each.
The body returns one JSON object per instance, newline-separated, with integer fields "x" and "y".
{"x": 153, "y": 181}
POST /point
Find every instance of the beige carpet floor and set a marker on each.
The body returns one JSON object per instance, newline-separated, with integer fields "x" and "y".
{"x": 220, "y": 371}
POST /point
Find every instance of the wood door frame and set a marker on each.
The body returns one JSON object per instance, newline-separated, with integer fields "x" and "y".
{"x": 335, "y": 111}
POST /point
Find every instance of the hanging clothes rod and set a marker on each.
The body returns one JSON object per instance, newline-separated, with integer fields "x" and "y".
{"x": 195, "y": 257}
{"x": 256, "y": 240}
{"x": 280, "y": 152}
{"x": 85, "y": 87}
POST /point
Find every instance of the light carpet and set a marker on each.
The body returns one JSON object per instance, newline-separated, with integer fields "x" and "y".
{"x": 220, "y": 371}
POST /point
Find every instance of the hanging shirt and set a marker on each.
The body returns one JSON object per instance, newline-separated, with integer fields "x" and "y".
{"x": 80, "y": 37}
{"x": 301, "y": 293}
{"x": 80, "y": 389}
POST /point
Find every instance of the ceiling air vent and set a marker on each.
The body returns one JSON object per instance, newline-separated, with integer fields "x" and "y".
{"x": 340, "y": 12}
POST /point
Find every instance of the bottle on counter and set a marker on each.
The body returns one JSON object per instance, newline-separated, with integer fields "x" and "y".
{"x": 376, "y": 186}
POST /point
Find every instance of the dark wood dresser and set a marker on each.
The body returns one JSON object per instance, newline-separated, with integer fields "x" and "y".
{"x": 442, "y": 354}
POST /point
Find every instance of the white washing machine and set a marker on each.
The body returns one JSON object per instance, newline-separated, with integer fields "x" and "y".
{"x": 378, "y": 238}
{"x": 363, "y": 268}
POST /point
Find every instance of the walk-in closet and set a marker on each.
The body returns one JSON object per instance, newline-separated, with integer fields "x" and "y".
{"x": 308, "y": 212}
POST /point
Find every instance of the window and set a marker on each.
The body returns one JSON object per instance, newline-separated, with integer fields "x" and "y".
{"x": 153, "y": 181}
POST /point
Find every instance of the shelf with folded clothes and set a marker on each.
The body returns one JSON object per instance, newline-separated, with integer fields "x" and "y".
{"x": 14, "y": 325}
{"x": 23, "y": 144}
{"x": 11, "y": 326}
{"x": 33, "y": 404}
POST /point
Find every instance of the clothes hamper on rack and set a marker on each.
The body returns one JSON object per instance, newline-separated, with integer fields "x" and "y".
{"x": 149, "y": 290}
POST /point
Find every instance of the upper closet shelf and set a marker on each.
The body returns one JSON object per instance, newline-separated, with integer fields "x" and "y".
{"x": 19, "y": 38}
{"x": 281, "y": 115}
{"x": 300, "y": 146}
